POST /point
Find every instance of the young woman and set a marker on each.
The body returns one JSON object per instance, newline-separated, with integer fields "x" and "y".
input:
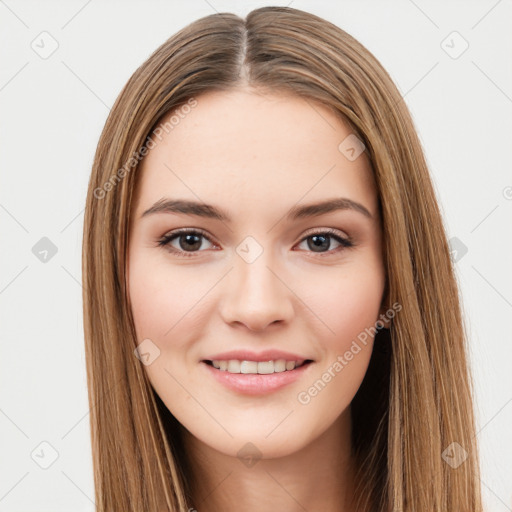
{"x": 271, "y": 316}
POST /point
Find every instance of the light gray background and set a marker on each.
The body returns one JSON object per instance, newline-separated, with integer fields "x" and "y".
{"x": 53, "y": 110}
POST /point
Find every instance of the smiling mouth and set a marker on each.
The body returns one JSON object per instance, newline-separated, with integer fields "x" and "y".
{"x": 257, "y": 367}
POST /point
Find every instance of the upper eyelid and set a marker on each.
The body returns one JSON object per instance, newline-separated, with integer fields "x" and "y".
{"x": 186, "y": 231}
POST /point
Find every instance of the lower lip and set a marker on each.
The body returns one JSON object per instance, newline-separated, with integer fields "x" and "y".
{"x": 255, "y": 383}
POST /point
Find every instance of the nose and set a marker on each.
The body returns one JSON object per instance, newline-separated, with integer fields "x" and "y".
{"x": 255, "y": 295}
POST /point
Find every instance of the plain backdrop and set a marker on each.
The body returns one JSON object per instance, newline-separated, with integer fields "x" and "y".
{"x": 63, "y": 65}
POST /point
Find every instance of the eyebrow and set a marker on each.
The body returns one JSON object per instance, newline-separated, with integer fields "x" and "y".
{"x": 195, "y": 208}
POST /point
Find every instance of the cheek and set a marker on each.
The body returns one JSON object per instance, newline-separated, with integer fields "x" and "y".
{"x": 159, "y": 296}
{"x": 348, "y": 304}
{"x": 151, "y": 307}
{"x": 349, "y": 309}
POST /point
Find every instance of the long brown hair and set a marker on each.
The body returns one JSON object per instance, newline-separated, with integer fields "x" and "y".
{"x": 416, "y": 398}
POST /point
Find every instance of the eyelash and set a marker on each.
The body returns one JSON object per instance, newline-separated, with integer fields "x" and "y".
{"x": 345, "y": 243}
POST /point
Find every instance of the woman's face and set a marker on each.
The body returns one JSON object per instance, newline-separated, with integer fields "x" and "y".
{"x": 255, "y": 271}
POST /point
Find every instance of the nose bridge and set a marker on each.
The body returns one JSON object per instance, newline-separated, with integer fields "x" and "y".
{"x": 254, "y": 292}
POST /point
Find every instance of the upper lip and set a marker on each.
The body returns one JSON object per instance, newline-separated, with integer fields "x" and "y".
{"x": 247, "y": 355}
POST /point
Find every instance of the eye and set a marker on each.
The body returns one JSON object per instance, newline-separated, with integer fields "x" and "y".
{"x": 320, "y": 240}
{"x": 188, "y": 241}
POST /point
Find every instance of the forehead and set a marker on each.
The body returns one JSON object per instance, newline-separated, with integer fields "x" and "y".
{"x": 256, "y": 147}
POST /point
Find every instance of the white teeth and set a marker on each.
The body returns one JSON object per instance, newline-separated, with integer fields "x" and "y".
{"x": 290, "y": 365}
{"x": 260, "y": 367}
{"x": 279, "y": 365}
{"x": 233, "y": 366}
{"x": 265, "y": 367}
{"x": 248, "y": 367}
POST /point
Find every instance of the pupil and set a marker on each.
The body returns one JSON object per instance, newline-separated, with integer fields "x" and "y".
{"x": 191, "y": 243}
{"x": 322, "y": 242}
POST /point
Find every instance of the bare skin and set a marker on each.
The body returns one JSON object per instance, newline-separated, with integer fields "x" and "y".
{"x": 255, "y": 156}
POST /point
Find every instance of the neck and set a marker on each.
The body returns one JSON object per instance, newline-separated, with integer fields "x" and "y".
{"x": 320, "y": 476}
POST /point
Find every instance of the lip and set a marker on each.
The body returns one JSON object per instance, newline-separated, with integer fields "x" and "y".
{"x": 266, "y": 355}
{"x": 256, "y": 384}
